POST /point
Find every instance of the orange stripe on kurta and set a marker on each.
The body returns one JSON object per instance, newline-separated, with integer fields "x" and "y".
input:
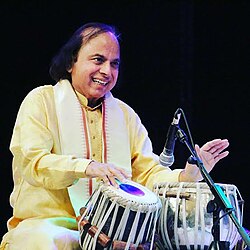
{"x": 87, "y": 147}
{"x": 104, "y": 133}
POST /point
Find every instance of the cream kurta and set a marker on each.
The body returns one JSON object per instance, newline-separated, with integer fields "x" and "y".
{"x": 42, "y": 173}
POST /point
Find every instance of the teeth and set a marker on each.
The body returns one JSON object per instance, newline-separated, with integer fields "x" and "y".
{"x": 100, "y": 82}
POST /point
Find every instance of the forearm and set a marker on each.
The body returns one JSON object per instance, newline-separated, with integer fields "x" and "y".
{"x": 49, "y": 170}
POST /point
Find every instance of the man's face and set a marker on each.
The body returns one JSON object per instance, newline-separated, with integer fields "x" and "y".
{"x": 96, "y": 70}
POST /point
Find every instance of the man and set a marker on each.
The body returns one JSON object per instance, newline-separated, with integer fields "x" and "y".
{"x": 69, "y": 136}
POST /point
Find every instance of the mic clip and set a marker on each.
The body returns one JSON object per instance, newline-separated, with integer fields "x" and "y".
{"x": 192, "y": 160}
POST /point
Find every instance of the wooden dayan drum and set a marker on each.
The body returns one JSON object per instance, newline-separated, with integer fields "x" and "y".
{"x": 123, "y": 218}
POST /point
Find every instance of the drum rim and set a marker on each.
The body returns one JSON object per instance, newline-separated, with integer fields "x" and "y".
{"x": 134, "y": 202}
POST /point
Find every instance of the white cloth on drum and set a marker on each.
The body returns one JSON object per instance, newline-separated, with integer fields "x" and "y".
{"x": 104, "y": 209}
{"x": 184, "y": 220}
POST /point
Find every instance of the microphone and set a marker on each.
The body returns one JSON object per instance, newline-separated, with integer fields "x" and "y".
{"x": 167, "y": 157}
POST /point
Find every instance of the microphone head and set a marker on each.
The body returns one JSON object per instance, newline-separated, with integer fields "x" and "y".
{"x": 166, "y": 160}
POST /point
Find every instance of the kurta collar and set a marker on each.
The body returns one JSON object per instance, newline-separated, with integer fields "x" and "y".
{"x": 84, "y": 101}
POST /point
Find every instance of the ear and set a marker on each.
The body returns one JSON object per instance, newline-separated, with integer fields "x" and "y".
{"x": 69, "y": 70}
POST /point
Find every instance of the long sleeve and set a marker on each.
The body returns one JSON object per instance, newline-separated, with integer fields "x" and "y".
{"x": 41, "y": 173}
{"x": 36, "y": 148}
{"x": 145, "y": 164}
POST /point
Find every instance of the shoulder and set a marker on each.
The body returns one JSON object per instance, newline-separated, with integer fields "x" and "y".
{"x": 125, "y": 107}
{"x": 39, "y": 96}
{"x": 130, "y": 114}
{"x": 40, "y": 90}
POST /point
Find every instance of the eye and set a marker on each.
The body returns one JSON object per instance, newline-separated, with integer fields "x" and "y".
{"x": 115, "y": 64}
{"x": 98, "y": 60}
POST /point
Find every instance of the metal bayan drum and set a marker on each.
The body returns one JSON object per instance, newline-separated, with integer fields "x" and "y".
{"x": 184, "y": 222}
{"x": 123, "y": 218}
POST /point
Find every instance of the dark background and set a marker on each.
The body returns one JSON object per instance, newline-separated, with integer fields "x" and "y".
{"x": 188, "y": 54}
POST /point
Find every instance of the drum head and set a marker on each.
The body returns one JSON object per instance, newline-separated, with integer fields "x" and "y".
{"x": 132, "y": 192}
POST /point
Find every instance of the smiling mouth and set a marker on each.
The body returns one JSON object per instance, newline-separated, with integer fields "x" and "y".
{"x": 99, "y": 82}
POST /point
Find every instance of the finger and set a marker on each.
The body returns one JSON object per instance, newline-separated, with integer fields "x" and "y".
{"x": 106, "y": 180}
{"x": 216, "y": 146}
{"x": 216, "y": 150}
{"x": 217, "y": 143}
{"x": 112, "y": 181}
{"x": 207, "y": 146}
{"x": 198, "y": 151}
{"x": 126, "y": 174}
{"x": 221, "y": 156}
{"x": 197, "y": 148}
{"x": 120, "y": 174}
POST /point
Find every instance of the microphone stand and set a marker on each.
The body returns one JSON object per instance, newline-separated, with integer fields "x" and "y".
{"x": 220, "y": 201}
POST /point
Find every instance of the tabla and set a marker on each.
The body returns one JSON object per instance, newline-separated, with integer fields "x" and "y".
{"x": 123, "y": 218}
{"x": 184, "y": 222}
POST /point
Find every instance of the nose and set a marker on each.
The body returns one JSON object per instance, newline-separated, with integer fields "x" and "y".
{"x": 105, "y": 68}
